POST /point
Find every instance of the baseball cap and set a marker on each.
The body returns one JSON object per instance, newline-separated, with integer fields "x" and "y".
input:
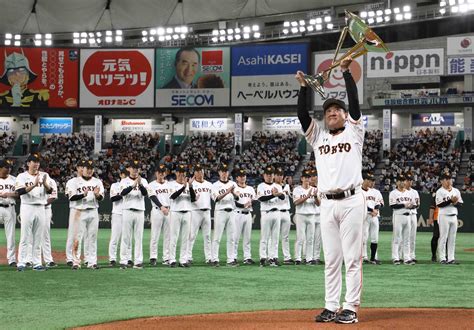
{"x": 89, "y": 163}
{"x": 268, "y": 170}
{"x": 198, "y": 167}
{"x": 161, "y": 168}
{"x": 82, "y": 163}
{"x": 223, "y": 168}
{"x": 368, "y": 176}
{"x": 408, "y": 176}
{"x": 33, "y": 158}
{"x": 333, "y": 101}
{"x": 124, "y": 171}
{"x": 446, "y": 175}
{"x": 240, "y": 172}
{"x": 279, "y": 171}
{"x": 134, "y": 163}
{"x": 401, "y": 177}
{"x": 181, "y": 168}
{"x": 306, "y": 173}
{"x": 5, "y": 163}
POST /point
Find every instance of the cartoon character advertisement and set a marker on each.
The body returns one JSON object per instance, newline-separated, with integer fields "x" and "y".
{"x": 38, "y": 77}
{"x": 335, "y": 86}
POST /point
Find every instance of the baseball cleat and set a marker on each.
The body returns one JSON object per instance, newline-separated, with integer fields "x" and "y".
{"x": 21, "y": 268}
{"x": 94, "y": 267}
{"x": 112, "y": 263}
{"x": 303, "y": 261}
{"x": 409, "y": 262}
{"x": 365, "y": 261}
{"x": 249, "y": 262}
{"x": 69, "y": 263}
{"x": 443, "y": 262}
{"x": 433, "y": 259}
{"x": 12, "y": 264}
{"x": 215, "y": 264}
{"x": 86, "y": 264}
{"x": 298, "y": 262}
{"x": 123, "y": 266}
{"x": 165, "y": 263}
{"x": 414, "y": 260}
{"x": 319, "y": 262}
{"x": 311, "y": 263}
{"x": 208, "y": 262}
{"x": 75, "y": 267}
{"x": 375, "y": 262}
{"x": 233, "y": 264}
{"x": 397, "y": 262}
{"x": 29, "y": 265}
{"x": 184, "y": 265}
{"x": 138, "y": 266}
{"x": 452, "y": 262}
{"x": 346, "y": 316}
{"x": 288, "y": 262}
{"x": 51, "y": 264}
{"x": 262, "y": 262}
{"x": 325, "y": 316}
{"x": 39, "y": 268}
{"x": 152, "y": 262}
{"x": 172, "y": 264}
{"x": 130, "y": 264}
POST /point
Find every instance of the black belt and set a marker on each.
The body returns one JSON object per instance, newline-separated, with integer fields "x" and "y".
{"x": 136, "y": 210}
{"x": 242, "y": 211}
{"x": 272, "y": 210}
{"x": 406, "y": 213}
{"x": 203, "y": 210}
{"x": 283, "y": 210}
{"x": 227, "y": 210}
{"x": 5, "y": 205}
{"x": 450, "y": 215}
{"x": 340, "y": 195}
{"x": 182, "y": 211}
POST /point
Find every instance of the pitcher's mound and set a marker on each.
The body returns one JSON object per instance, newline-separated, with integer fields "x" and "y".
{"x": 369, "y": 318}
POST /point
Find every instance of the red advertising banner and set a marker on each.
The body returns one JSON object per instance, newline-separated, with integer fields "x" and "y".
{"x": 38, "y": 77}
{"x": 117, "y": 78}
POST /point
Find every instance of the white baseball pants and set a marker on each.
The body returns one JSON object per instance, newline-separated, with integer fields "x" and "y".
{"x": 401, "y": 237}
{"x": 285, "y": 224}
{"x": 180, "y": 223}
{"x": 46, "y": 246}
{"x": 132, "y": 228}
{"x": 8, "y": 218}
{"x": 413, "y": 228}
{"x": 115, "y": 235}
{"x": 317, "y": 241}
{"x": 304, "y": 232}
{"x": 243, "y": 227}
{"x": 200, "y": 219}
{"x": 32, "y": 231}
{"x": 159, "y": 222}
{"x": 448, "y": 226}
{"x": 223, "y": 220}
{"x": 270, "y": 230}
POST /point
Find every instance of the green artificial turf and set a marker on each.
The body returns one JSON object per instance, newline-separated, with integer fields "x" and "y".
{"x": 61, "y": 298}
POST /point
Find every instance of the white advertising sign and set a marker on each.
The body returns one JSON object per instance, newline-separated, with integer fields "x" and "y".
{"x": 335, "y": 86}
{"x": 387, "y": 129}
{"x": 281, "y": 123}
{"x": 406, "y": 63}
{"x": 460, "y": 65}
{"x": 208, "y": 124}
{"x": 461, "y": 45}
{"x": 5, "y": 124}
{"x": 132, "y": 125}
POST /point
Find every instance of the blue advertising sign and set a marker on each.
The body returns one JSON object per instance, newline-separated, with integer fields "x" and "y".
{"x": 55, "y": 125}
{"x": 264, "y": 74}
{"x": 432, "y": 119}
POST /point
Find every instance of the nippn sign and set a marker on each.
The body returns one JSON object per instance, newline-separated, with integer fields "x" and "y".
{"x": 406, "y": 63}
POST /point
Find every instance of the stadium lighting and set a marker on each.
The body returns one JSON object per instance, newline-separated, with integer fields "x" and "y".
{"x": 302, "y": 29}
{"x": 363, "y": 14}
{"x": 294, "y": 30}
{"x": 76, "y": 41}
{"x": 184, "y": 29}
{"x": 406, "y": 9}
{"x": 8, "y": 36}
{"x": 237, "y": 37}
{"x": 370, "y": 21}
{"x": 371, "y": 14}
{"x": 83, "y": 41}
{"x": 388, "y": 11}
{"x": 38, "y": 36}
{"x": 8, "y": 42}
{"x": 379, "y": 19}
{"x": 160, "y": 31}
{"x": 256, "y": 35}
{"x": 329, "y": 26}
{"x": 442, "y": 11}
{"x": 222, "y": 38}
{"x": 108, "y": 39}
{"x": 442, "y": 4}
{"x": 463, "y": 8}
{"x": 237, "y": 30}
{"x": 222, "y": 32}
{"x": 319, "y": 27}
{"x": 230, "y": 37}
{"x": 214, "y": 39}
{"x": 37, "y": 42}
{"x": 162, "y": 38}
{"x": 144, "y": 39}
{"x": 144, "y": 33}
{"x": 169, "y": 30}
{"x": 387, "y": 19}
{"x": 379, "y": 12}
{"x": 407, "y": 16}
{"x": 327, "y": 19}
{"x": 255, "y": 28}
{"x": 454, "y": 9}
{"x": 286, "y": 24}
{"x": 302, "y": 22}
{"x": 294, "y": 23}
{"x": 310, "y": 28}
{"x": 396, "y": 10}
{"x": 17, "y": 36}
{"x": 246, "y": 29}
{"x": 246, "y": 35}
{"x": 399, "y": 17}
{"x": 215, "y": 32}
{"x": 17, "y": 43}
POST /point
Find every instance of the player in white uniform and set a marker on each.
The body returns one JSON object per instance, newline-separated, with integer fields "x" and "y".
{"x": 268, "y": 194}
{"x": 317, "y": 241}
{"x": 201, "y": 214}
{"x": 304, "y": 198}
{"x": 160, "y": 221}
{"x": 86, "y": 191}
{"x": 400, "y": 202}
{"x": 338, "y": 156}
{"x": 448, "y": 199}
{"x": 8, "y": 198}
{"x": 223, "y": 196}
{"x": 182, "y": 196}
{"x": 374, "y": 201}
{"x": 33, "y": 186}
{"x": 415, "y": 200}
{"x": 116, "y": 224}
{"x": 73, "y": 213}
{"x": 243, "y": 215}
{"x": 134, "y": 190}
{"x": 285, "y": 219}
{"x": 46, "y": 246}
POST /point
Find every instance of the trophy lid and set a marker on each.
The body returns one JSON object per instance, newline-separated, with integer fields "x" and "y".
{"x": 361, "y": 32}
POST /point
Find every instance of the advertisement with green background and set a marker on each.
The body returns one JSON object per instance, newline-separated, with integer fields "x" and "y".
{"x": 192, "y": 77}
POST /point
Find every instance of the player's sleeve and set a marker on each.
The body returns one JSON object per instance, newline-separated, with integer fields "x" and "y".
{"x": 151, "y": 191}
{"x": 101, "y": 188}
{"x": 312, "y": 133}
{"x": 296, "y": 194}
{"x": 260, "y": 191}
{"x": 54, "y": 186}
{"x": 380, "y": 200}
{"x": 439, "y": 197}
{"x": 20, "y": 182}
{"x": 215, "y": 191}
{"x": 460, "y": 201}
{"x": 392, "y": 198}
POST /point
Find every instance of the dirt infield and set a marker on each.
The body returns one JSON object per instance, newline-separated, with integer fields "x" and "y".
{"x": 58, "y": 256}
{"x": 369, "y": 318}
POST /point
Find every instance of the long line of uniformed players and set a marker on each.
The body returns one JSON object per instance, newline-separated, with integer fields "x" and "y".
{"x": 181, "y": 208}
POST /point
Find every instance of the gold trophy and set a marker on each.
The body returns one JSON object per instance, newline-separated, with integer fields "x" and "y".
{"x": 366, "y": 40}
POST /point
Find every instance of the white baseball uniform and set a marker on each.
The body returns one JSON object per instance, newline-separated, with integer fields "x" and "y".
{"x": 8, "y": 215}
{"x": 317, "y": 241}
{"x": 415, "y": 200}
{"x": 46, "y": 246}
{"x": 373, "y": 200}
{"x": 133, "y": 220}
{"x": 269, "y": 220}
{"x": 401, "y": 224}
{"x": 223, "y": 219}
{"x": 285, "y": 222}
{"x": 339, "y": 166}
{"x": 243, "y": 220}
{"x": 73, "y": 221}
{"x": 447, "y": 221}
{"x": 159, "y": 221}
{"x": 305, "y": 222}
{"x": 116, "y": 223}
{"x": 86, "y": 219}
{"x": 32, "y": 215}
{"x": 201, "y": 218}
{"x": 180, "y": 220}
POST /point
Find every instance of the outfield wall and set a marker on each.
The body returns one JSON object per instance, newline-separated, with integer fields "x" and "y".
{"x": 465, "y": 219}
